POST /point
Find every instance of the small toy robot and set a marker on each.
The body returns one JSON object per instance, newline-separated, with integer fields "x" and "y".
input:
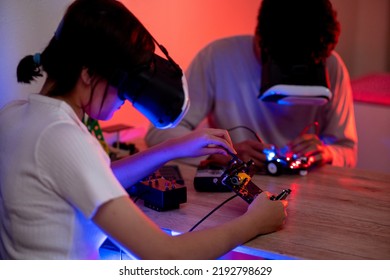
{"x": 279, "y": 163}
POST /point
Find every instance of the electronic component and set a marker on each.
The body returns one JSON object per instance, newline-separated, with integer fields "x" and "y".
{"x": 237, "y": 177}
{"x": 172, "y": 173}
{"x": 160, "y": 193}
{"x": 281, "y": 163}
{"x": 283, "y": 160}
{"x": 206, "y": 179}
{"x": 282, "y": 195}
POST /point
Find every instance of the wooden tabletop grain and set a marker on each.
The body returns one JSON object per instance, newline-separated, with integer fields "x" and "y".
{"x": 333, "y": 213}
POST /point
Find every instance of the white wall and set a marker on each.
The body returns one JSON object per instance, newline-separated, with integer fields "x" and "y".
{"x": 365, "y": 35}
{"x": 26, "y": 27}
{"x": 373, "y": 130}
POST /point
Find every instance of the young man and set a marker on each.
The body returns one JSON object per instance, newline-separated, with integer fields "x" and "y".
{"x": 224, "y": 83}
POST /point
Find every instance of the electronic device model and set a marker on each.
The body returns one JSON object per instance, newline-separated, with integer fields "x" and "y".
{"x": 285, "y": 163}
{"x": 237, "y": 177}
{"x": 161, "y": 191}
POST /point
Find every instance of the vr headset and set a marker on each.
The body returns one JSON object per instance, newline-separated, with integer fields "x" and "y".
{"x": 294, "y": 84}
{"x": 159, "y": 91}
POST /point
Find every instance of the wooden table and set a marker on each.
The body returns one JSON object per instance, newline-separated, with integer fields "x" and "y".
{"x": 333, "y": 213}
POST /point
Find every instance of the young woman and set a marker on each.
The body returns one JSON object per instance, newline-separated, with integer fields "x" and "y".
{"x": 60, "y": 197}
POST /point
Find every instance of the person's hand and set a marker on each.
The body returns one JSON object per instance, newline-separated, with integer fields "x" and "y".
{"x": 202, "y": 142}
{"x": 246, "y": 150}
{"x": 252, "y": 150}
{"x": 268, "y": 215}
{"x": 310, "y": 146}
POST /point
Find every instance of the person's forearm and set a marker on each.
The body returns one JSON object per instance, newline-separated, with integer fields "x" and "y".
{"x": 132, "y": 169}
{"x": 124, "y": 222}
{"x": 217, "y": 241}
{"x": 155, "y": 136}
{"x": 205, "y": 244}
{"x": 127, "y": 224}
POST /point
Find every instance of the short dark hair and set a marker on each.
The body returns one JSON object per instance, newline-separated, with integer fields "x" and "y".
{"x": 292, "y": 31}
{"x": 100, "y": 35}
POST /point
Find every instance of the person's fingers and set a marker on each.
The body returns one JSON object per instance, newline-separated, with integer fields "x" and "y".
{"x": 306, "y": 144}
{"x": 218, "y": 137}
{"x": 301, "y": 140}
{"x": 317, "y": 158}
{"x": 284, "y": 202}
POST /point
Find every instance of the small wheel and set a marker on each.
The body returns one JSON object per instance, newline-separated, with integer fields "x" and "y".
{"x": 303, "y": 172}
{"x": 273, "y": 168}
{"x": 235, "y": 181}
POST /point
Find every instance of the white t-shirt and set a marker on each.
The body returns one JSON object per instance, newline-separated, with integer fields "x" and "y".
{"x": 224, "y": 81}
{"x": 54, "y": 175}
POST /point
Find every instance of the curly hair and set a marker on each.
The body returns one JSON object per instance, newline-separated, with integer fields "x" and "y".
{"x": 297, "y": 31}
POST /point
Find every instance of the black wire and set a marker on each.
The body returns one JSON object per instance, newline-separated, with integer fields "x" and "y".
{"x": 211, "y": 212}
{"x": 316, "y": 128}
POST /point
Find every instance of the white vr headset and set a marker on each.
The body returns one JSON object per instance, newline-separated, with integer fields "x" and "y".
{"x": 295, "y": 84}
{"x": 297, "y": 94}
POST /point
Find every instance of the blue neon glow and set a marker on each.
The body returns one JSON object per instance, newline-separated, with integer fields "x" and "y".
{"x": 109, "y": 251}
{"x": 270, "y": 153}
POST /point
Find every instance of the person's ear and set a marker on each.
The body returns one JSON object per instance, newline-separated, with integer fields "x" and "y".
{"x": 85, "y": 76}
